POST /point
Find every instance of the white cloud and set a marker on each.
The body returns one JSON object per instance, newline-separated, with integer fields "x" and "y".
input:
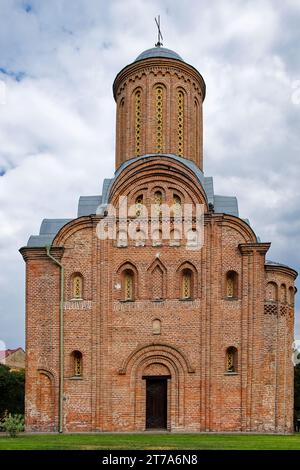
{"x": 57, "y": 126}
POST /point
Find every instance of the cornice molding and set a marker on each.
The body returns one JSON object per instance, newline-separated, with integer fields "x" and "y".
{"x": 250, "y": 248}
{"x": 30, "y": 253}
{"x": 154, "y": 65}
{"x": 281, "y": 270}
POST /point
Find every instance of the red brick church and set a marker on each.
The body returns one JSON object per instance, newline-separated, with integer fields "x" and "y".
{"x": 155, "y": 332}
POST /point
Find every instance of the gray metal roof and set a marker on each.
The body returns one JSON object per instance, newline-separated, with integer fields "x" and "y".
{"x": 52, "y": 226}
{"x": 49, "y": 228}
{"x": 189, "y": 163}
{"x": 40, "y": 240}
{"x": 159, "y": 52}
{"x": 274, "y": 263}
{"x": 88, "y": 205}
{"x": 208, "y": 185}
{"x": 107, "y": 184}
{"x": 226, "y": 205}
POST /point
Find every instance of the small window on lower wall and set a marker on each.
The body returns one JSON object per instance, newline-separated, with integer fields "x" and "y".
{"x": 77, "y": 363}
{"x": 128, "y": 285}
{"x": 186, "y": 288}
{"x": 77, "y": 286}
{"x": 231, "y": 285}
{"x": 231, "y": 360}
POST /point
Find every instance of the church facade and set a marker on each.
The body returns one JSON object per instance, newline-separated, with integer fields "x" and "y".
{"x": 132, "y": 327}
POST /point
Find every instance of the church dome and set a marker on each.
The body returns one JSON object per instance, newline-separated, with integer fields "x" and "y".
{"x": 159, "y": 52}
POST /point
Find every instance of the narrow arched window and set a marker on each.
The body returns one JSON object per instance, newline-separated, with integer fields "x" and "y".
{"x": 231, "y": 285}
{"x": 272, "y": 292}
{"x": 159, "y": 118}
{"x": 128, "y": 285}
{"x": 157, "y": 203}
{"x": 157, "y": 237}
{"x": 193, "y": 238}
{"x": 175, "y": 237}
{"x": 197, "y": 130}
{"x": 139, "y": 205}
{"x": 121, "y": 140}
{"x": 77, "y": 286}
{"x": 77, "y": 363}
{"x": 122, "y": 238}
{"x": 180, "y": 117}
{"x": 176, "y": 205}
{"x": 157, "y": 276}
{"x": 283, "y": 293}
{"x": 291, "y": 295}
{"x": 140, "y": 237}
{"x": 231, "y": 359}
{"x": 156, "y": 327}
{"x": 138, "y": 121}
{"x": 186, "y": 284}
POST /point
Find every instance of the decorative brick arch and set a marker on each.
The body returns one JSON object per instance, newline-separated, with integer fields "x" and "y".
{"x": 157, "y": 349}
{"x": 69, "y": 229}
{"x": 128, "y": 266}
{"x": 161, "y": 171}
{"x": 157, "y": 280}
{"x": 158, "y": 357}
{"x": 49, "y": 372}
{"x": 240, "y": 226}
{"x": 45, "y": 399}
{"x": 187, "y": 266}
{"x": 156, "y": 369}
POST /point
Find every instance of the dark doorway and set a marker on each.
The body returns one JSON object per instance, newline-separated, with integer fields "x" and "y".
{"x": 156, "y": 402}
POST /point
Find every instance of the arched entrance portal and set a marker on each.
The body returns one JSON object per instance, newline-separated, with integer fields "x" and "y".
{"x": 158, "y": 375}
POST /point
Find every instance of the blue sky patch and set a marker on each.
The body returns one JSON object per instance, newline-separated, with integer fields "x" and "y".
{"x": 18, "y": 76}
{"x": 27, "y": 7}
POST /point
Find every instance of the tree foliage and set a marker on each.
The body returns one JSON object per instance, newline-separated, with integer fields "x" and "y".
{"x": 12, "y": 391}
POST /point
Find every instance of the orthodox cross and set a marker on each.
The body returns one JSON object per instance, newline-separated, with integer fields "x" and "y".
{"x": 159, "y": 35}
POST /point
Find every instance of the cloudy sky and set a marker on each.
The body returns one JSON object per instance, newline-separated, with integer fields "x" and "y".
{"x": 58, "y": 60}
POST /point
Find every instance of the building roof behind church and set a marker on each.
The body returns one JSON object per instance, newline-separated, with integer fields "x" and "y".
{"x": 4, "y": 353}
{"x": 159, "y": 52}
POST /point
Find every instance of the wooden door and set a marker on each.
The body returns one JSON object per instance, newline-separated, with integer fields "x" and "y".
{"x": 156, "y": 402}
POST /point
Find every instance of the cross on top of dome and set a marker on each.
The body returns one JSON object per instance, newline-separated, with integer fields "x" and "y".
{"x": 158, "y": 50}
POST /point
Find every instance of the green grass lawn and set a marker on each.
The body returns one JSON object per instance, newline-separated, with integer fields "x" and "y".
{"x": 150, "y": 441}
